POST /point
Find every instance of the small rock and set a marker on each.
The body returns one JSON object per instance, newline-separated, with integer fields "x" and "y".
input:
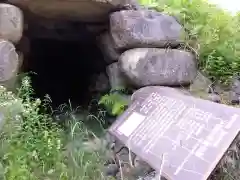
{"x": 111, "y": 119}
{"x": 141, "y": 168}
{"x": 234, "y": 94}
{"x": 234, "y": 98}
{"x": 214, "y": 97}
{"x": 111, "y": 170}
{"x": 150, "y": 176}
{"x": 236, "y": 85}
{"x": 200, "y": 83}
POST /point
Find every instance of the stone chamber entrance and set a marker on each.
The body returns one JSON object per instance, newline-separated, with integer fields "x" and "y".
{"x": 63, "y": 65}
{"x": 63, "y": 50}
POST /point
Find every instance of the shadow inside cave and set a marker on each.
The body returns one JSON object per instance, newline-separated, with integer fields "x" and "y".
{"x": 63, "y": 69}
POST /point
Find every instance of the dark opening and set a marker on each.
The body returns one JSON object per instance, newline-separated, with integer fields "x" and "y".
{"x": 64, "y": 69}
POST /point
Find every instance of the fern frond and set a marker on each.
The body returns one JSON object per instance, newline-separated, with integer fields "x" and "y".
{"x": 114, "y": 103}
{"x": 106, "y": 100}
{"x": 118, "y": 108}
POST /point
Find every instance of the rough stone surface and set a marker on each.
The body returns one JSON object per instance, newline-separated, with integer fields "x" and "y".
{"x": 234, "y": 98}
{"x": 82, "y": 10}
{"x": 164, "y": 117}
{"x": 152, "y": 66}
{"x": 214, "y": 98}
{"x": 11, "y": 19}
{"x": 8, "y": 61}
{"x": 61, "y": 29}
{"x": 152, "y": 176}
{"x": 200, "y": 83}
{"x": 235, "y": 87}
{"x": 144, "y": 28}
{"x": 116, "y": 77}
{"x": 111, "y": 54}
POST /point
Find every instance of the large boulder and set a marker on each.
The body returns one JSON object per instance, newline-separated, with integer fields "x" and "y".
{"x": 152, "y": 66}
{"x": 9, "y": 63}
{"x": 11, "y": 19}
{"x": 82, "y": 10}
{"x": 144, "y": 28}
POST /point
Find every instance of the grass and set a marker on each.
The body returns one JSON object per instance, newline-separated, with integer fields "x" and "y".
{"x": 34, "y": 147}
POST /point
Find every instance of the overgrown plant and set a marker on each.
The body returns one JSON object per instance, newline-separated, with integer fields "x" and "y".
{"x": 212, "y": 32}
{"x": 115, "y": 102}
{"x": 33, "y": 147}
{"x": 33, "y": 144}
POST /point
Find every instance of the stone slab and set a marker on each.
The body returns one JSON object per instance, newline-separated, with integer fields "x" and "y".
{"x": 82, "y": 10}
{"x": 182, "y": 136}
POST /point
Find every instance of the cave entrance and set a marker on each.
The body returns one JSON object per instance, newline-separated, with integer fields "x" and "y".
{"x": 64, "y": 69}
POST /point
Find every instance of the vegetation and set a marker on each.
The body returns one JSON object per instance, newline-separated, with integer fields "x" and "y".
{"x": 213, "y": 33}
{"x": 115, "y": 102}
{"x": 34, "y": 147}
